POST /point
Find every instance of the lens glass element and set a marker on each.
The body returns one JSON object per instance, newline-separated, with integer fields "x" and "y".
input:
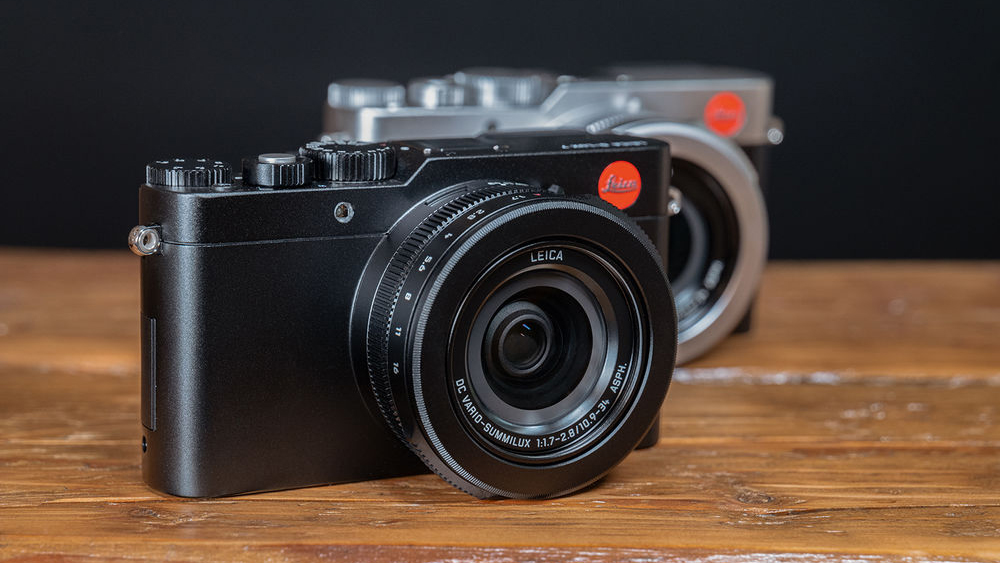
{"x": 524, "y": 343}
{"x": 526, "y": 359}
{"x": 519, "y": 337}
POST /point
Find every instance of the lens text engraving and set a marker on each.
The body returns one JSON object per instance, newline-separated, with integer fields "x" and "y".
{"x": 547, "y": 255}
{"x": 616, "y": 380}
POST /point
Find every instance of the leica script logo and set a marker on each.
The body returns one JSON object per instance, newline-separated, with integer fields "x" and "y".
{"x": 620, "y": 184}
{"x": 726, "y": 114}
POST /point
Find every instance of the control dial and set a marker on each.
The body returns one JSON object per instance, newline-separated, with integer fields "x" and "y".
{"x": 350, "y": 161}
{"x": 277, "y": 170}
{"x": 499, "y": 87}
{"x": 435, "y": 92}
{"x": 189, "y": 173}
{"x": 365, "y": 92}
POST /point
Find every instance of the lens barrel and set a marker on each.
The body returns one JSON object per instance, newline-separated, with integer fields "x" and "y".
{"x": 718, "y": 242}
{"x": 519, "y": 341}
{"x": 704, "y": 244}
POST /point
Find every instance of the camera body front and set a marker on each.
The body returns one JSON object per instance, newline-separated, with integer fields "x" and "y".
{"x": 473, "y": 301}
{"x": 717, "y": 120}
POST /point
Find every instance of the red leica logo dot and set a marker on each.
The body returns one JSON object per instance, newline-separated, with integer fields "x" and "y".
{"x": 620, "y": 184}
{"x": 726, "y": 114}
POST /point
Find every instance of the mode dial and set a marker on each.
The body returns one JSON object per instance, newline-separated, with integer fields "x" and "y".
{"x": 435, "y": 92}
{"x": 498, "y": 87}
{"x": 365, "y": 92}
{"x": 277, "y": 170}
{"x": 188, "y": 173}
{"x": 350, "y": 161}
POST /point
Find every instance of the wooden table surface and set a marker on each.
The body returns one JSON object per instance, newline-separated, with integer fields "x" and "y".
{"x": 858, "y": 421}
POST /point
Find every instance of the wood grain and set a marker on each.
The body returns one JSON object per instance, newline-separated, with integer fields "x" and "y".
{"x": 858, "y": 421}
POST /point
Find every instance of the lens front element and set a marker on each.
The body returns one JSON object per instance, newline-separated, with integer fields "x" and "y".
{"x": 521, "y": 351}
{"x": 519, "y": 340}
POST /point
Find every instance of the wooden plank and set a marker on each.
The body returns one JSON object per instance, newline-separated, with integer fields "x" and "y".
{"x": 858, "y": 421}
{"x": 850, "y": 469}
{"x": 78, "y": 310}
{"x": 917, "y": 319}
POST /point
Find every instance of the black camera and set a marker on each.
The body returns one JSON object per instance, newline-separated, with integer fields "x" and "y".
{"x": 357, "y": 311}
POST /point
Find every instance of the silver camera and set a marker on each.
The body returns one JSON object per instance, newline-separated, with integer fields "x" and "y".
{"x": 717, "y": 121}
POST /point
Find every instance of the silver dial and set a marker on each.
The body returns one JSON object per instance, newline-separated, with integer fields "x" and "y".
{"x": 435, "y": 92}
{"x": 364, "y": 92}
{"x": 499, "y": 87}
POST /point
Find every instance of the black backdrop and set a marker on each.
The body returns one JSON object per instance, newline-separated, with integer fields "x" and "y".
{"x": 890, "y": 108}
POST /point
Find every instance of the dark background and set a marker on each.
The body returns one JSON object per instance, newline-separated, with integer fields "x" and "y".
{"x": 890, "y": 108}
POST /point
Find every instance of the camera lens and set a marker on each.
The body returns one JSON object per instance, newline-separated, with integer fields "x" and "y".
{"x": 523, "y": 344}
{"x": 531, "y": 348}
{"x": 718, "y": 242}
{"x": 510, "y": 347}
{"x": 704, "y": 244}
{"x": 527, "y": 358}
